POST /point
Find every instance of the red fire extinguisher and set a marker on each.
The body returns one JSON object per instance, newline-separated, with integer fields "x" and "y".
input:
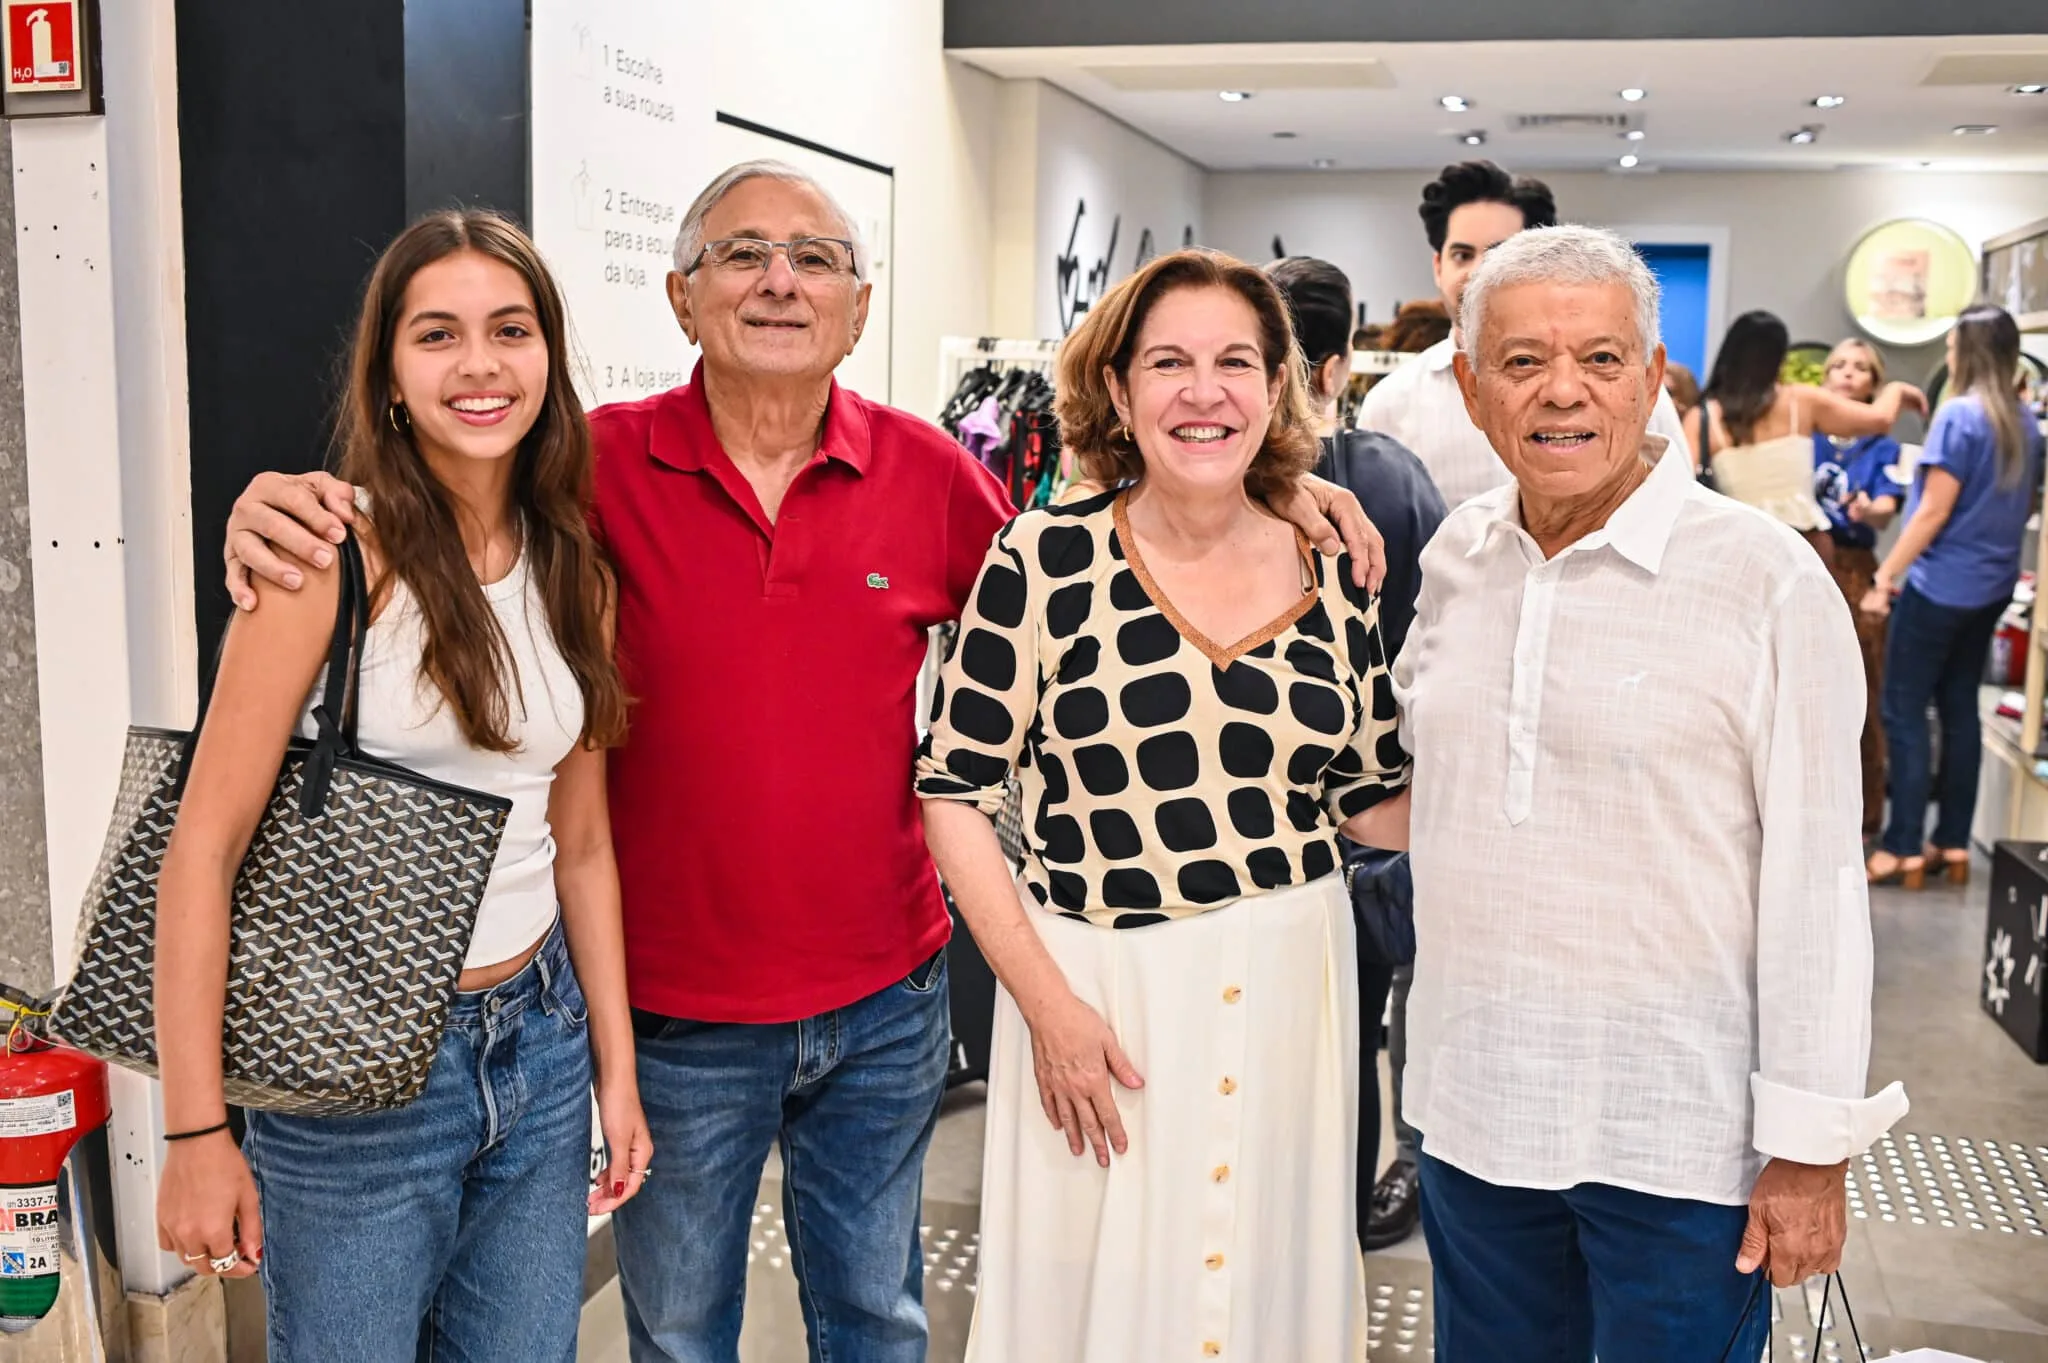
{"x": 50, "y": 1097}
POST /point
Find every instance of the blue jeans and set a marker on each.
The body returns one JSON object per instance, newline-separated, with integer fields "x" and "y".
{"x": 852, "y": 1096}
{"x": 1933, "y": 652}
{"x": 1528, "y": 1276}
{"x": 451, "y": 1229}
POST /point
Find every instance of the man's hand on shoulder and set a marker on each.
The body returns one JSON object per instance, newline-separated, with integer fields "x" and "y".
{"x": 279, "y": 514}
{"x": 1335, "y": 523}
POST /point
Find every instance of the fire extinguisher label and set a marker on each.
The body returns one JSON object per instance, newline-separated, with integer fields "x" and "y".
{"x": 44, "y": 1115}
{"x": 28, "y": 1232}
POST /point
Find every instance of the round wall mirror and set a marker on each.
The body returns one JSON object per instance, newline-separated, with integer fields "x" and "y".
{"x": 1909, "y": 280}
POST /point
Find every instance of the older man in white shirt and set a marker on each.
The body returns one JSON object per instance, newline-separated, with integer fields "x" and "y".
{"x": 1641, "y": 1015}
{"x": 1467, "y": 211}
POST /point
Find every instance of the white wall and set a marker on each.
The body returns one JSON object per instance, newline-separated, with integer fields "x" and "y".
{"x": 1130, "y": 185}
{"x": 881, "y": 88}
{"x": 1789, "y": 234}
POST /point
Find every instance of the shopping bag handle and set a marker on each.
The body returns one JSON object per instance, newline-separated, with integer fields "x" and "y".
{"x": 1756, "y": 1291}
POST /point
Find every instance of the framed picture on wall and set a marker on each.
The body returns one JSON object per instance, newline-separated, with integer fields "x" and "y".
{"x": 1908, "y": 280}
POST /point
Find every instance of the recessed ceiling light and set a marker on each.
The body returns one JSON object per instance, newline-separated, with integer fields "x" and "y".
{"x": 1323, "y": 163}
{"x": 2031, "y": 89}
{"x": 1473, "y": 139}
{"x": 1975, "y": 129}
{"x": 1631, "y": 161}
{"x": 1234, "y": 96}
{"x": 1632, "y": 94}
{"x": 1285, "y": 135}
{"x": 1800, "y": 137}
{"x": 1829, "y": 101}
{"x": 1634, "y": 135}
{"x": 1456, "y": 104}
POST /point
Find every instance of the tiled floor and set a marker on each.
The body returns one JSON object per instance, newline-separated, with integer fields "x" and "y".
{"x": 1974, "y": 1146}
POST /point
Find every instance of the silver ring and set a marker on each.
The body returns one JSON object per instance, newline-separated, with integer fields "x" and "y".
{"x": 234, "y": 1256}
{"x": 193, "y": 1258}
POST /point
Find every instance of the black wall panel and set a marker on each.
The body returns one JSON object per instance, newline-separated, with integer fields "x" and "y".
{"x": 310, "y": 132}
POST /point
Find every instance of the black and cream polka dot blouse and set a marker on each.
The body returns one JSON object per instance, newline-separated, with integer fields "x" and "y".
{"x": 1163, "y": 774}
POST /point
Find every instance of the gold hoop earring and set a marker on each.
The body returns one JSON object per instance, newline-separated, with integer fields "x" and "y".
{"x": 1123, "y": 433}
{"x": 391, "y": 415}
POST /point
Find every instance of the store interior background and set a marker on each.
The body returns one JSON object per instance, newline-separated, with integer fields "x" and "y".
{"x": 240, "y": 198}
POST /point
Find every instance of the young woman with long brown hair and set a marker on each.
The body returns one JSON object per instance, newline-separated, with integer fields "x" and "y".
{"x": 1953, "y": 568}
{"x": 454, "y": 1226}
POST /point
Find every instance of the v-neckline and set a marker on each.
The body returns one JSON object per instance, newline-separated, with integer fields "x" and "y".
{"x": 1219, "y": 656}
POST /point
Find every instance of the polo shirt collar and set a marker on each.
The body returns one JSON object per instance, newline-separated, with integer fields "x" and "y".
{"x": 1640, "y": 528}
{"x": 684, "y": 438}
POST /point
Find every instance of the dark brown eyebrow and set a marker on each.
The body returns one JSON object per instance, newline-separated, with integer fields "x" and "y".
{"x": 508, "y": 310}
{"x": 1182, "y": 350}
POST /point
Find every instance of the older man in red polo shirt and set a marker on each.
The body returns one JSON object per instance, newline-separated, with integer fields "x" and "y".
{"x": 783, "y": 547}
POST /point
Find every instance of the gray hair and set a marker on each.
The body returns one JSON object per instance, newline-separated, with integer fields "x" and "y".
{"x": 690, "y": 236}
{"x": 1561, "y": 255}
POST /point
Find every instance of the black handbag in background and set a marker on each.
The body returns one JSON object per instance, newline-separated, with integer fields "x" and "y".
{"x": 350, "y": 919}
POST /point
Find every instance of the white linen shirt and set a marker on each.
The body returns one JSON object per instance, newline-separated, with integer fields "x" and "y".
{"x": 1419, "y": 405}
{"x": 1643, "y": 933}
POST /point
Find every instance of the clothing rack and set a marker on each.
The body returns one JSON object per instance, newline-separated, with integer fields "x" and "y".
{"x": 959, "y": 354}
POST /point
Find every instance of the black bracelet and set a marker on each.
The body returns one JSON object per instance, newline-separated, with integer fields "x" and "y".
{"x": 194, "y": 1135}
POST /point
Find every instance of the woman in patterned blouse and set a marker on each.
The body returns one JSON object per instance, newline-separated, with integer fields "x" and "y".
{"x": 1179, "y": 924}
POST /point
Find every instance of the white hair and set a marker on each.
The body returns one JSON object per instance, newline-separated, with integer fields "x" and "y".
{"x": 1561, "y": 255}
{"x": 690, "y": 236}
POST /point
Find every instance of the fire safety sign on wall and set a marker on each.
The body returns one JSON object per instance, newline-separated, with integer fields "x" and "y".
{"x": 43, "y": 47}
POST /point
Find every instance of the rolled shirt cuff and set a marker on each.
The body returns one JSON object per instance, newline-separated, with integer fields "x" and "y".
{"x": 1811, "y": 1128}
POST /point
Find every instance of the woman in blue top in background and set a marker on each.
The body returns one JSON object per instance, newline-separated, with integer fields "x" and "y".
{"x": 1958, "y": 558}
{"x": 1853, "y": 484}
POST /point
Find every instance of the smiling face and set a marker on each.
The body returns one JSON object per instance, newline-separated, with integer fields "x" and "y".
{"x": 468, "y": 360}
{"x": 1472, "y": 230}
{"x": 1563, "y": 387}
{"x": 1198, "y": 400}
{"x": 774, "y": 322}
{"x": 1850, "y": 372}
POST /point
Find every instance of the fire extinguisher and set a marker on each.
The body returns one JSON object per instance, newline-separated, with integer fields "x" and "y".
{"x": 50, "y": 1097}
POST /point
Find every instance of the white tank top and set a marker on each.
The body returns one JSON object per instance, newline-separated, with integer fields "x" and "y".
{"x": 402, "y": 718}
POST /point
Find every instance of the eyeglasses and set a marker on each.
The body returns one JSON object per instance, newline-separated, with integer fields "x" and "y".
{"x": 812, "y": 257}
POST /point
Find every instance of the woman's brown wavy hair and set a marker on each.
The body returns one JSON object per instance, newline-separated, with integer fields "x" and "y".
{"x": 1108, "y": 336}
{"x": 418, "y": 537}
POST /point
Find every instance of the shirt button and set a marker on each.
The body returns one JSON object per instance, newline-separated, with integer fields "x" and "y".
{"x": 1232, "y": 994}
{"x": 1220, "y": 1174}
{"x": 1211, "y": 1349}
{"x": 1214, "y": 1262}
{"x": 1227, "y": 1087}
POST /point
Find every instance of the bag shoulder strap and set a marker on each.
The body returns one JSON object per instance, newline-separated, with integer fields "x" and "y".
{"x": 336, "y": 738}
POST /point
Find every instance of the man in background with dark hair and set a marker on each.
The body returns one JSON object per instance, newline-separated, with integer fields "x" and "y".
{"x": 1466, "y": 211}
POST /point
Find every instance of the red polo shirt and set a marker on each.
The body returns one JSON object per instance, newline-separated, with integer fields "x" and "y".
{"x": 770, "y": 849}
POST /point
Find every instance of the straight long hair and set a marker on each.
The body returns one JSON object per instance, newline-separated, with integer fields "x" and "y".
{"x": 1987, "y": 368}
{"x": 1744, "y": 380}
{"x": 419, "y": 537}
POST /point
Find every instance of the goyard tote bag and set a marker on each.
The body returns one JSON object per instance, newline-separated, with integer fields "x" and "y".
{"x": 350, "y": 919}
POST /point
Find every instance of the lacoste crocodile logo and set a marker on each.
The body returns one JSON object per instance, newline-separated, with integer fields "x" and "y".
{"x": 878, "y": 582}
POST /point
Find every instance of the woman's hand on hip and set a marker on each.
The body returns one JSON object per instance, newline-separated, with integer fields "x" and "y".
{"x": 206, "y": 1207}
{"x": 628, "y": 1141}
{"x": 1074, "y": 1053}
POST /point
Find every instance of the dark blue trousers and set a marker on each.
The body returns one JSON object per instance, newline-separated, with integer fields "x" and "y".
{"x": 1528, "y": 1276}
